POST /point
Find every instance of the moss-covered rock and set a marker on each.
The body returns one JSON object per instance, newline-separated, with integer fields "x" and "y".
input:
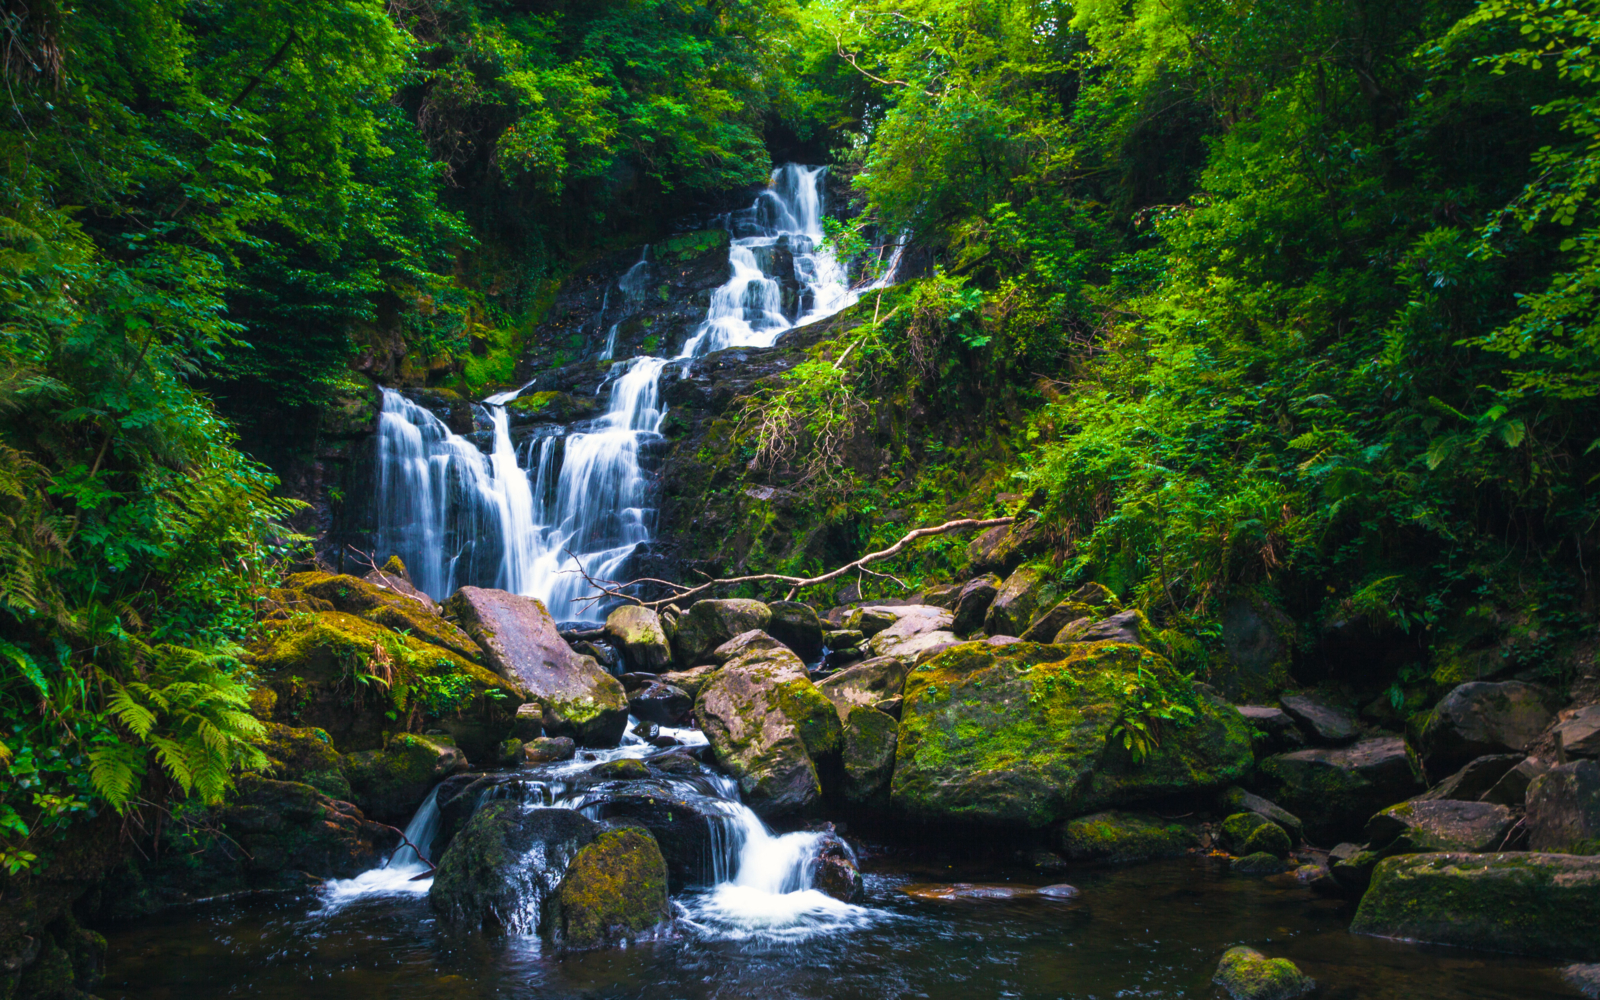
{"x": 1268, "y": 838}
{"x": 1335, "y": 791}
{"x": 1481, "y": 718}
{"x": 390, "y": 783}
{"x": 865, "y": 684}
{"x": 306, "y": 755}
{"x": 614, "y": 889}
{"x": 870, "y": 738}
{"x": 637, "y": 632}
{"x": 1249, "y": 975}
{"x": 386, "y": 606}
{"x": 1236, "y": 800}
{"x": 709, "y": 624}
{"x": 797, "y": 626}
{"x": 1547, "y": 905}
{"x": 1023, "y": 734}
{"x": 692, "y": 680}
{"x": 1564, "y": 809}
{"x": 1260, "y": 863}
{"x": 1237, "y": 828}
{"x": 1423, "y": 825}
{"x": 1017, "y": 602}
{"x": 1118, "y": 837}
{"x": 484, "y": 877}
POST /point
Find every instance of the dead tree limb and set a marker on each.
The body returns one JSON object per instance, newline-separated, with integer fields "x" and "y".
{"x": 612, "y": 588}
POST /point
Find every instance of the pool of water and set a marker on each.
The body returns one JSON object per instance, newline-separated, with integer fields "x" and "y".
{"x": 1153, "y": 930}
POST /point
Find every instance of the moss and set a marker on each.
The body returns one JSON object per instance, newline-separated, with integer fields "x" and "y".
{"x": 1268, "y": 838}
{"x": 1122, "y": 837}
{"x": 615, "y": 888}
{"x": 1237, "y": 828}
{"x": 626, "y": 769}
{"x": 390, "y": 783}
{"x": 305, "y": 755}
{"x": 1249, "y": 975}
{"x": 869, "y": 742}
{"x": 813, "y": 716}
{"x": 533, "y": 402}
{"x": 686, "y": 246}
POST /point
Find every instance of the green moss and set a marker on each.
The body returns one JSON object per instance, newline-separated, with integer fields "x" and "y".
{"x": 1268, "y": 838}
{"x": 687, "y": 246}
{"x": 615, "y": 888}
{"x": 1122, "y": 837}
{"x": 812, "y": 714}
{"x": 1249, "y": 975}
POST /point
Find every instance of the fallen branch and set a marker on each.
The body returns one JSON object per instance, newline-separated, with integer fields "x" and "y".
{"x": 414, "y": 850}
{"x": 611, "y": 588}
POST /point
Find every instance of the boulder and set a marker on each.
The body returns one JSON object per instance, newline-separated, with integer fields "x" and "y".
{"x": 1545, "y": 905}
{"x": 709, "y": 624}
{"x": 972, "y": 604}
{"x": 614, "y": 889}
{"x": 869, "y": 621}
{"x": 484, "y": 876}
{"x": 1237, "y": 800}
{"x": 797, "y": 626}
{"x": 942, "y": 596}
{"x": 1275, "y": 729}
{"x": 845, "y": 638}
{"x": 767, "y": 724}
{"x": 1258, "y": 640}
{"x": 1247, "y": 833}
{"x": 836, "y": 873}
{"x": 1249, "y": 975}
{"x": 918, "y": 648}
{"x": 1002, "y": 547}
{"x": 520, "y": 642}
{"x": 1579, "y": 732}
{"x": 1050, "y": 624}
{"x": 528, "y": 724}
{"x": 1482, "y": 717}
{"x": 638, "y": 633}
{"x": 284, "y": 828}
{"x": 691, "y": 680}
{"x": 1440, "y": 825}
{"x": 1352, "y": 867}
{"x": 386, "y": 606}
{"x": 1583, "y": 978}
{"x": 1027, "y": 734}
{"x": 1564, "y": 809}
{"x": 1128, "y": 627}
{"x": 390, "y": 784}
{"x": 1335, "y": 790}
{"x": 1120, "y": 837}
{"x": 1323, "y": 723}
{"x": 394, "y": 576}
{"x": 1512, "y": 788}
{"x": 660, "y": 703}
{"x": 1260, "y": 863}
{"x": 753, "y": 641}
{"x": 865, "y": 684}
{"x": 549, "y": 749}
{"x": 691, "y": 829}
{"x": 1475, "y": 779}
{"x": 915, "y": 627}
{"x": 1016, "y": 603}
{"x": 305, "y": 755}
{"x": 870, "y": 739}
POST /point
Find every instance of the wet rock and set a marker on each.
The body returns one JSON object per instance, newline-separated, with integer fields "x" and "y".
{"x": 1336, "y": 790}
{"x": 1583, "y": 978}
{"x": 389, "y": 784}
{"x": 1512, "y": 788}
{"x": 602, "y": 653}
{"x": 1440, "y": 825}
{"x": 1580, "y": 732}
{"x": 1249, "y": 975}
{"x": 484, "y": 876}
{"x": 637, "y": 680}
{"x": 1237, "y": 800}
{"x": 1050, "y": 624}
{"x": 548, "y": 749}
{"x": 753, "y": 641}
{"x": 509, "y": 753}
{"x": 1545, "y": 905}
{"x": 865, "y": 683}
{"x": 914, "y": 628}
{"x": 1119, "y": 837}
{"x": 1479, "y": 718}
{"x": 638, "y": 633}
{"x": 689, "y": 827}
{"x": 1475, "y": 779}
{"x": 692, "y": 680}
{"x": 845, "y": 638}
{"x": 1564, "y": 809}
{"x": 836, "y": 873}
{"x": 942, "y": 596}
{"x": 972, "y": 604}
{"x": 305, "y": 755}
{"x": 660, "y": 703}
{"x": 1021, "y": 734}
{"x": 1260, "y": 863}
{"x": 951, "y": 892}
{"x": 1352, "y": 867}
{"x": 528, "y": 723}
{"x": 869, "y": 621}
{"x": 614, "y": 889}
{"x": 622, "y": 769}
{"x": 520, "y": 641}
{"x": 797, "y": 626}
{"x": 709, "y": 624}
{"x": 870, "y": 740}
{"x": 1322, "y": 723}
{"x": 1247, "y": 833}
{"x": 1125, "y": 626}
{"x": 1016, "y": 602}
{"x": 1276, "y": 729}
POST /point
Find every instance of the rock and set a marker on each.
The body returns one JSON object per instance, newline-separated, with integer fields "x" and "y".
{"x": 660, "y": 703}
{"x": 1120, "y": 837}
{"x": 690, "y": 829}
{"x": 942, "y": 596}
{"x": 709, "y": 624}
{"x": 869, "y": 621}
{"x": 1125, "y": 626}
{"x": 388, "y": 607}
{"x": 1475, "y": 779}
{"x": 1050, "y": 624}
{"x": 1481, "y": 717}
{"x": 392, "y": 575}
{"x": 1545, "y": 905}
{"x": 1002, "y": 547}
{"x": 510, "y": 753}
{"x": 601, "y": 652}
{"x": 972, "y": 604}
{"x": 304, "y": 755}
{"x": 1277, "y": 730}
{"x": 1564, "y": 809}
{"x": 845, "y": 638}
{"x": 797, "y": 626}
{"x": 622, "y": 769}
{"x": 870, "y": 739}
{"x": 1353, "y": 870}
{"x": 1322, "y": 723}
{"x": 636, "y": 680}
{"x": 520, "y": 642}
{"x": 1071, "y": 630}
{"x": 1260, "y": 863}
{"x": 767, "y": 723}
{"x": 1335, "y": 791}
{"x": 1016, "y": 603}
{"x": 529, "y": 722}
{"x": 286, "y": 827}
{"x": 1440, "y": 825}
{"x": 1258, "y": 640}
{"x": 836, "y": 873}
{"x": 1022, "y": 734}
{"x": 1580, "y": 732}
{"x": 1237, "y": 800}
{"x": 1237, "y": 828}
{"x": 1512, "y": 788}
{"x": 389, "y": 784}
{"x": 753, "y": 641}
{"x": 1248, "y": 833}
{"x": 950, "y": 892}
{"x": 638, "y": 633}
{"x": 917, "y": 648}
{"x": 691, "y": 680}
{"x": 914, "y": 628}
{"x": 865, "y": 683}
{"x": 614, "y": 889}
{"x": 548, "y": 749}
{"x": 1583, "y": 978}
{"x": 484, "y": 878}
{"x": 1249, "y": 975}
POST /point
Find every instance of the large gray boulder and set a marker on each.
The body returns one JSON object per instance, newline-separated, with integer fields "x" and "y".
{"x": 865, "y": 684}
{"x": 484, "y": 876}
{"x": 1324, "y": 723}
{"x": 520, "y": 642}
{"x": 1423, "y": 825}
{"x": 797, "y": 626}
{"x": 638, "y": 633}
{"x": 1482, "y": 717}
{"x": 1016, "y": 603}
{"x": 916, "y": 628}
{"x": 1336, "y": 790}
{"x": 1125, "y": 626}
{"x": 1564, "y": 809}
{"x": 972, "y": 604}
{"x": 709, "y": 624}
{"x": 1546, "y": 905}
{"x": 1475, "y": 779}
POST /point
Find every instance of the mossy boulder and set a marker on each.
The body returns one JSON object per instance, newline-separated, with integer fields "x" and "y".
{"x": 692, "y": 680}
{"x": 1423, "y": 825}
{"x": 388, "y": 606}
{"x": 972, "y": 603}
{"x": 1481, "y": 718}
{"x": 1545, "y": 905}
{"x": 1249, "y": 975}
{"x": 614, "y": 889}
{"x": 1236, "y": 800}
{"x": 1268, "y": 838}
{"x": 306, "y": 755}
{"x": 1130, "y": 627}
{"x": 1237, "y": 828}
{"x": 797, "y": 626}
{"x": 484, "y": 878}
{"x": 389, "y": 784}
{"x": 1118, "y": 837}
{"x": 870, "y": 738}
{"x": 865, "y": 684}
{"x": 637, "y": 632}
{"x": 1023, "y": 734}
{"x": 1336, "y": 790}
{"x": 915, "y": 626}
{"x": 520, "y": 642}
{"x": 1564, "y": 809}
{"x": 709, "y": 624}
{"x": 1017, "y": 602}
{"x": 1048, "y": 625}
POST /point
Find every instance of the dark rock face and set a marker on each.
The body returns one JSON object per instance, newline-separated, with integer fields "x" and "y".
{"x": 1440, "y": 825}
{"x": 1512, "y": 788}
{"x": 614, "y": 889}
{"x": 1481, "y": 718}
{"x": 390, "y": 784}
{"x": 1580, "y": 732}
{"x": 660, "y": 703}
{"x": 1564, "y": 809}
{"x": 1049, "y": 624}
{"x": 797, "y": 626}
{"x": 1276, "y": 729}
{"x": 709, "y": 624}
{"x": 1237, "y": 800}
{"x": 836, "y": 873}
{"x": 1322, "y": 723}
{"x": 505, "y": 863}
{"x": 1016, "y": 603}
{"x": 1335, "y": 791}
{"x": 870, "y": 740}
{"x": 1120, "y": 837}
{"x": 972, "y": 604}
{"x": 1257, "y": 638}
{"x": 1474, "y": 780}
{"x": 1546, "y": 905}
